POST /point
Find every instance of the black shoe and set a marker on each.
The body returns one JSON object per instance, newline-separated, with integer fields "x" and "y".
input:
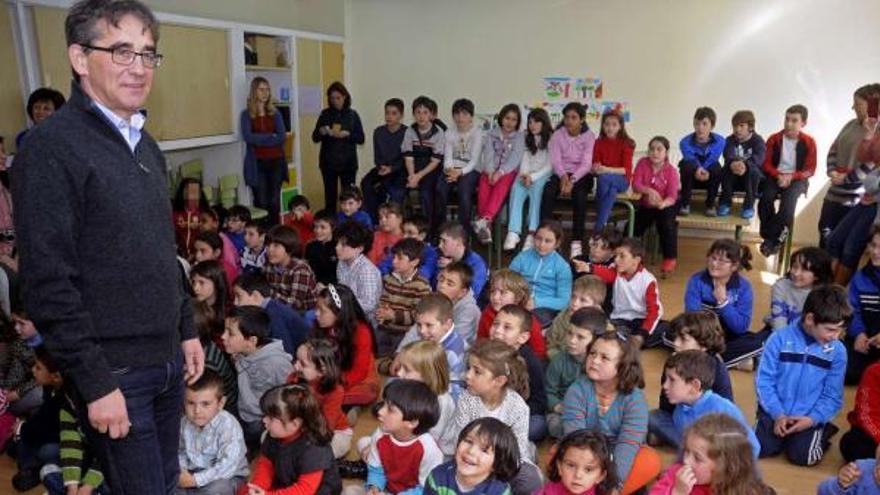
{"x": 769, "y": 248}
{"x": 352, "y": 469}
{"x": 26, "y": 479}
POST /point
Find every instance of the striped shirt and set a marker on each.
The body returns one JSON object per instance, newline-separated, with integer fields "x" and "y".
{"x": 401, "y": 295}
{"x": 74, "y": 456}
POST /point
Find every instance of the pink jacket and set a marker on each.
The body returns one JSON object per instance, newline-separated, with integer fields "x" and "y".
{"x": 666, "y": 182}
{"x": 571, "y": 154}
{"x": 666, "y": 483}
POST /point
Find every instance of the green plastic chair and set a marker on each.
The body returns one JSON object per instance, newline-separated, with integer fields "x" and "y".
{"x": 193, "y": 169}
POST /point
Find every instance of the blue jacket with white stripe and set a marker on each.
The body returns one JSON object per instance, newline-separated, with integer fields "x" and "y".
{"x": 799, "y": 376}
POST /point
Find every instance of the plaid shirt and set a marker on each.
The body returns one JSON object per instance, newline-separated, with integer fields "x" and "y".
{"x": 365, "y": 280}
{"x": 293, "y": 284}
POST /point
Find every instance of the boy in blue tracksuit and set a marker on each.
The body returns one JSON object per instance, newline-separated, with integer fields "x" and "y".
{"x": 800, "y": 380}
{"x": 864, "y": 297}
{"x": 700, "y": 161}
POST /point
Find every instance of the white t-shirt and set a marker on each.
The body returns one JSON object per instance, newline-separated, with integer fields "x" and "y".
{"x": 788, "y": 157}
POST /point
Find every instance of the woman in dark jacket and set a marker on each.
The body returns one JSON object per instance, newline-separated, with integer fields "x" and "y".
{"x": 339, "y": 131}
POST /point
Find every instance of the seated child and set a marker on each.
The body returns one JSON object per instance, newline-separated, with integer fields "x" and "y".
{"x": 509, "y": 287}
{"x": 402, "y": 452}
{"x": 401, "y": 291}
{"x": 212, "y": 452}
{"x": 581, "y": 464}
{"x": 292, "y": 280}
{"x": 454, "y": 282}
{"x": 688, "y": 386}
{"x": 856, "y": 478}
{"x": 636, "y": 294}
{"x": 299, "y": 217}
{"x": 789, "y": 163}
{"x": 209, "y": 247}
{"x": 699, "y": 331}
{"x": 321, "y": 251}
{"x": 253, "y": 258}
{"x": 210, "y": 331}
{"x": 497, "y": 382}
{"x": 716, "y": 459}
{"x": 453, "y": 247}
{"x": 658, "y": 183}
{"x": 800, "y": 380}
{"x": 722, "y": 289}
{"x": 317, "y": 365}
{"x": 388, "y": 233}
{"x": 486, "y": 458}
{"x": 567, "y": 365}
{"x": 534, "y": 172}
{"x": 700, "y": 162}
{"x": 385, "y": 180}
{"x": 602, "y": 246}
{"x": 350, "y": 201}
{"x": 512, "y": 326}
{"x": 211, "y": 221}
{"x": 354, "y": 269}
{"x": 423, "y": 147}
{"x": 463, "y": 144}
{"x": 188, "y": 204}
{"x": 22, "y": 392}
{"x": 810, "y": 267}
{"x": 425, "y": 361}
{"x": 609, "y": 400}
{"x": 260, "y": 361}
{"x": 415, "y": 227}
{"x": 861, "y": 441}
{"x": 296, "y": 455}
{"x": 434, "y": 322}
{"x": 236, "y": 218}
{"x": 743, "y": 157}
{"x": 285, "y": 324}
{"x": 588, "y": 291}
{"x": 861, "y": 340}
{"x": 547, "y": 272}
{"x": 612, "y": 165}
{"x": 39, "y": 435}
{"x": 503, "y": 148}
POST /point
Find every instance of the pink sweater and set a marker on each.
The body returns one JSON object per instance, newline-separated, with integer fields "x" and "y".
{"x": 666, "y": 483}
{"x": 665, "y": 182}
{"x": 571, "y": 154}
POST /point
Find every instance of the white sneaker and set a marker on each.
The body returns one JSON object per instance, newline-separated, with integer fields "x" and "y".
{"x": 511, "y": 241}
{"x": 529, "y": 243}
{"x": 576, "y": 249}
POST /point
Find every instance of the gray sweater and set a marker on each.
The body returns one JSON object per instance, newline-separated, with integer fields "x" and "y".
{"x": 257, "y": 373}
{"x": 99, "y": 274}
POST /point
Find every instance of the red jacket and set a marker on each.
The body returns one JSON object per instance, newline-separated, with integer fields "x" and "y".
{"x": 536, "y": 340}
{"x": 617, "y": 153}
{"x": 806, "y": 156}
{"x": 866, "y": 413}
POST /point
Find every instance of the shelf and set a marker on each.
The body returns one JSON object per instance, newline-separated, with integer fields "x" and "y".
{"x": 257, "y": 68}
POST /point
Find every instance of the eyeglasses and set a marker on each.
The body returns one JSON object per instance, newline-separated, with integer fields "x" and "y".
{"x": 719, "y": 261}
{"x": 125, "y": 56}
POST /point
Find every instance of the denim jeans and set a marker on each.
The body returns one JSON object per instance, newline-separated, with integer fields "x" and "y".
{"x": 267, "y": 194}
{"x": 608, "y": 186}
{"x": 145, "y": 461}
{"x": 37, "y": 456}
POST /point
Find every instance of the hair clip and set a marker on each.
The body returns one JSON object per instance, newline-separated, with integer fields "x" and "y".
{"x": 335, "y": 295}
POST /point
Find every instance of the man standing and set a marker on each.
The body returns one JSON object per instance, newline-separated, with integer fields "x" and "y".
{"x": 98, "y": 266}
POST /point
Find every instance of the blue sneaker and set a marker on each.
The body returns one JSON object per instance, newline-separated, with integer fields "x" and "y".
{"x": 723, "y": 210}
{"x": 748, "y": 213}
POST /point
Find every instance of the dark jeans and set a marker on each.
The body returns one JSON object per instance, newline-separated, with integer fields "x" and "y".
{"x": 738, "y": 348}
{"x": 145, "y": 461}
{"x": 465, "y": 188}
{"x": 804, "y": 448}
{"x": 856, "y": 444}
{"x": 579, "y": 193}
{"x": 54, "y": 484}
{"x": 667, "y": 228}
{"x": 774, "y": 221}
{"x": 37, "y": 456}
{"x": 831, "y": 216}
{"x": 378, "y": 189}
{"x": 332, "y": 180}
{"x": 749, "y": 183}
{"x": 687, "y": 169}
{"x": 427, "y": 189}
{"x": 267, "y": 193}
{"x": 847, "y": 242}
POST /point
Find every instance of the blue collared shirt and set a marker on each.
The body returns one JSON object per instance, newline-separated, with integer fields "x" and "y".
{"x": 130, "y": 129}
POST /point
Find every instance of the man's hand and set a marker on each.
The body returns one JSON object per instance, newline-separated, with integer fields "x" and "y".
{"x": 685, "y": 479}
{"x": 194, "y": 357}
{"x": 848, "y": 474}
{"x": 109, "y": 416}
{"x": 187, "y": 480}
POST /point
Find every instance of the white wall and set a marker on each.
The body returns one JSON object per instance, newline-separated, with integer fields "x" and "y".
{"x": 320, "y": 16}
{"x": 664, "y": 57}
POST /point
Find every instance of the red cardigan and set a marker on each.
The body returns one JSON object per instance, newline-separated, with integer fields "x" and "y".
{"x": 616, "y": 153}
{"x": 536, "y": 339}
{"x": 806, "y": 156}
{"x": 866, "y": 413}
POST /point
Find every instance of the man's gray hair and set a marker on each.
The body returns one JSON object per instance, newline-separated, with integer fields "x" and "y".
{"x": 79, "y": 27}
